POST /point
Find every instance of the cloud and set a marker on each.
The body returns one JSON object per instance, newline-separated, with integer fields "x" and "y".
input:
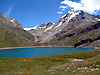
{"x": 91, "y": 6}
{"x": 63, "y": 7}
{"x": 59, "y": 12}
{"x": 9, "y": 11}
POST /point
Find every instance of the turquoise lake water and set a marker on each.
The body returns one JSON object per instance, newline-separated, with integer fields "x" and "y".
{"x": 39, "y": 51}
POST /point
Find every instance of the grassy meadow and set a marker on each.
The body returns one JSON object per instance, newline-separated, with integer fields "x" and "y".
{"x": 53, "y": 65}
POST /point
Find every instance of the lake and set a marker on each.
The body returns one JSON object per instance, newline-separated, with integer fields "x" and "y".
{"x": 39, "y": 51}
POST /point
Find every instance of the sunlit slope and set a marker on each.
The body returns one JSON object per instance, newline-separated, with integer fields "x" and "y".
{"x": 14, "y": 36}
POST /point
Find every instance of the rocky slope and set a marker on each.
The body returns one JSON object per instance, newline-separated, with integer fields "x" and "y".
{"x": 13, "y": 35}
{"x": 82, "y": 31}
{"x": 10, "y": 21}
{"x": 45, "y": 32}
{"x": 69, "y": 30}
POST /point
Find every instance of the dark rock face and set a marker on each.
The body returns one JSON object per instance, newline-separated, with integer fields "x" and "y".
{"x": 87, "y": 34}
{"x": 10, "y": 21}
{"x": 81, "y": 31}
{"x": 98, "y": 16}
{"x": 82, "y": 42}
{"x": 85, "y": 41}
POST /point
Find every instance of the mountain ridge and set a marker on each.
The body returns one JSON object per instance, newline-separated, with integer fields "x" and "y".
{"x": 76, "y": 28}
{"x": 66, "y": 20}
{"x": 10, "y": 21}
{"x": 13, "y": 35}
{"x": 69, "y": 30}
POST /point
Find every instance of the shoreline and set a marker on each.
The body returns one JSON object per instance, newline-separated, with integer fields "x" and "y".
{"x": 18, "y": 47}
{"x": 31, "y": 47}
{"x": 44, "y": 46}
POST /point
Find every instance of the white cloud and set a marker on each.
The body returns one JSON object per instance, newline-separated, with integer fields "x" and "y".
{"x": 91, "y": 6}
{"x": 63, "y": 7}
{"x": 9, "y": 11}
{"x": 59, "y": 12}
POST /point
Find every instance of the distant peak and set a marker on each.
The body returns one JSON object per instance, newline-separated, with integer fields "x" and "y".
{"x": 72, "y": 12}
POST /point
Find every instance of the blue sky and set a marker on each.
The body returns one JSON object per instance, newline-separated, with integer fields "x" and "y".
{"x": 36, "y": 12}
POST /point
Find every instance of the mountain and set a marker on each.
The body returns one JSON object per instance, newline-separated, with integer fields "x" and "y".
{"x": 13, "y": 35}
{"x": 76, "y": 28}
{"x": 44, "y": 32}
{"x": 10, "y": 21}
{"x": 81, "y": 31}
{"x": 72, "y": 29}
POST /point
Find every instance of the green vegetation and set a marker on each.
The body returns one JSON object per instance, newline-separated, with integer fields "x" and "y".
{"x": 53, "y": 64}
{"x": 15, "y": 37}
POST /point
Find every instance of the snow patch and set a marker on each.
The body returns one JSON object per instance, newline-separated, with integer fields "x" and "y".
{"x": 42, "y": 27}
{"x": 71, "y": 12}
{"x": 53, "y": 23}
{"x": 12, "y": 20}
{"x": 27, "y": 29}
{"x": 74, "y": 14}
{"x": 59, "y": 24}
{"x": 48, "y": 28}
{"x": 97, "y": 19}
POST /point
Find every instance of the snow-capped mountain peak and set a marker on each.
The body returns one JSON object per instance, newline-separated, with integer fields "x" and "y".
{"x": 45, "y": 32}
